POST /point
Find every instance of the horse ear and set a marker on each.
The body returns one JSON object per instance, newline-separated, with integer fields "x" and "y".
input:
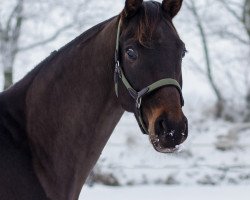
{"x": 172, "y": 7}
{"x": 131, "y": 7}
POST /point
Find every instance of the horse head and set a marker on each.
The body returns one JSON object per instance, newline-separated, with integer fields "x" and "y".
{"x": 148, "y": 71}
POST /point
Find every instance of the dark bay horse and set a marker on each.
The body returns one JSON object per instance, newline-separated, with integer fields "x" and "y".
{"x": 55, "y": 122}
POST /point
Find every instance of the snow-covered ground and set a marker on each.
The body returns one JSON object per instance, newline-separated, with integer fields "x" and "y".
{"x": 166, "y": 192}
{"x": 216, "y": 153}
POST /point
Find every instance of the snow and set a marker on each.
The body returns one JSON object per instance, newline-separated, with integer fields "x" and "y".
{"x": 131, "y": 159}
{"x": 165, "y": 192}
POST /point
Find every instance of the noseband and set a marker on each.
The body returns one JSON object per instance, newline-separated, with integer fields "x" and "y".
{"x": 137, "y": 96}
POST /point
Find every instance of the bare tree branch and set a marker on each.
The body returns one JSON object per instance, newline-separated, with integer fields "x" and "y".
{"x": 1, "y": 29}
{"x": 192, "y": 7}
{"x": 246, "y": 17}
{"x": 233, "y": 12}
{"x": 10, "y": 32}
{"x": 195, "y": 66}
{"x": 236, "y": 4}
{"x": 243, "y": 17}
{"x": 225, "y": 33}
{"x": 53, "y": 37}
{"x": 16, "y": 11}
{"x": 17, "y": 28}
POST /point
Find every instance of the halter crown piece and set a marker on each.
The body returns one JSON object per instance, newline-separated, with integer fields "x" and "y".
{"x": 137, "y": 96}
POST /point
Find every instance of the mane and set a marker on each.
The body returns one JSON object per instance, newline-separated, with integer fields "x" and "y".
{"x": 148, "y": 17}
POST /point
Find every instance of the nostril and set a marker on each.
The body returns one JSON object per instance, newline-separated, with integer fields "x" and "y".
{"x": 164, "y": 130}
{"x": 163, "y": 127}
{"x": 171, "y": 132}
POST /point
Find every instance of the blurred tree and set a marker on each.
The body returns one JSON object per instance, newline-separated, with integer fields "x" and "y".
{"x": 191, "y": 5}
{"x": 242, "y": 17}
{"x": 246, "y": 23}
{"x": 9, "y": 37}
{"x": 240, "y": 10}
{"x": 11, "y": 32}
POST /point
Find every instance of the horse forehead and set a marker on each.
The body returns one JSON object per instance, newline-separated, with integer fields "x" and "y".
{"x": 165, "y": 36}
{"x": 166, "y": 28}
{"x": 162, "y": 33}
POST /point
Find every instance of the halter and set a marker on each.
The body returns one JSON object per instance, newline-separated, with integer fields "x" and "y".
{"x": 137, "y": 96}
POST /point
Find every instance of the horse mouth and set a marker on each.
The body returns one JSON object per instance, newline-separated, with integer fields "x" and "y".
{"x": 154, "y": 139}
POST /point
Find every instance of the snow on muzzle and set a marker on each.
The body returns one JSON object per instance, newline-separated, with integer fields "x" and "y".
{"x": 167, "y": 130}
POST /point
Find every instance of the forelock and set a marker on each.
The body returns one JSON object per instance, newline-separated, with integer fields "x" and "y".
{"x": 148, "y": 18}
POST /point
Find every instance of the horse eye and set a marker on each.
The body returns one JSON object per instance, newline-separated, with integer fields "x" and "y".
{"x": 184, "y": 52}
{"x": 131, "y": 54}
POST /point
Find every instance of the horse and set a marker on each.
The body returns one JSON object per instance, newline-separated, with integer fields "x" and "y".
{"x": 55, "y": 122}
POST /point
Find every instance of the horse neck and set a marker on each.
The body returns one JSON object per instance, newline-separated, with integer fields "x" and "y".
{"x": 72, "y": 111}
{"x": 13, "y": 110}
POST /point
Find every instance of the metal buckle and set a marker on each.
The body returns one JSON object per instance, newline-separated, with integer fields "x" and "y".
{"x": 118, "y": 69}
{"x": 138, "y": 102}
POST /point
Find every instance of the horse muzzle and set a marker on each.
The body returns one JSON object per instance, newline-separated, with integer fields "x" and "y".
{"x": 166, "y": 133}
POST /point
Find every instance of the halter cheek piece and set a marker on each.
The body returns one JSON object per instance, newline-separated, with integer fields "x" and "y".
{"x": 137, "y": 96}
